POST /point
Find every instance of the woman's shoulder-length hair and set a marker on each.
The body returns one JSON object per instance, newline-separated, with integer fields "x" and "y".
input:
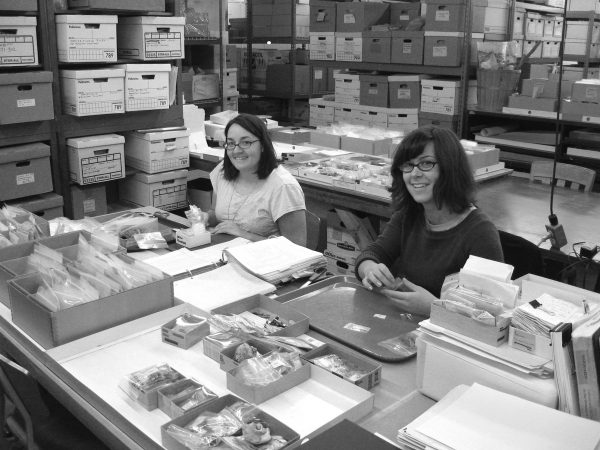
{"x": 268, "y": 157}
{"x": 455, "y": 186}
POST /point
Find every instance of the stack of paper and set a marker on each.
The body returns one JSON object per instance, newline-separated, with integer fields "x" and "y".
{"x": 541, "y": 315}
{"x": 478, "y": 417}
{"x": 275, "y": 260}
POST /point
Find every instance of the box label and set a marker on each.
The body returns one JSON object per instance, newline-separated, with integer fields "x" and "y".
{"x": 102, "y": 168}
{"x": 349, "y": 18}
{"x": 442, "y": 15}
{"x": 25, "y": 102}
{"x": 162, "y": 45}
{"x": 440, "y": 51}
{"x": 318, "y": 74}
{"x": 171, "y": 197}
{"x": 524, "y": 341}
{"x": 404, "y": 94}
{"x": 17, "y": 49}
{"x": 89, "y": 205}
{"x": 407, "y": 47}
{"x": 591, "y": 93}
{"x": 25, "y": 178}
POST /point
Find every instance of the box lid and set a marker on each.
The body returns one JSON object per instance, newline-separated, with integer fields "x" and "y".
{"x": 445, "y": 33}
{"x": 348, "y": 35}
{"x": 144, "y": 67}
{"x": 160, "y": 134}
{"x": 85, "y": 18}
{"x": 317, "y": 34}
{"x": 373, "y": 78}
{"x": 407, "y": 34}
{"x": 149, "y": 178}
{"x": 443, "y": 83}
{"x": 93, "y": 73}
{"x": 18, "y": 21}
{"x": 23, "y": 152}
{"x": 25, "y": 77}
{"x": 346, "y": 76}
{"x": 39, "y": 202}
{"x": 95, "y": 141}
{"x": 378, "y": 33}
{"x": 152, "y": 20}
{"x": 404, "y": 78}
{"x": 455, "y": 2}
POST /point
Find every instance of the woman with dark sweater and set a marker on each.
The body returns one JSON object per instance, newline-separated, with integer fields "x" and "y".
{"x": 435, "y": 225}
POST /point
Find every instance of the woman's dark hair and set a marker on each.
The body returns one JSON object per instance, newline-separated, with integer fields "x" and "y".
{"x": 455, "y": 187}
{"x": 268, "y": 157}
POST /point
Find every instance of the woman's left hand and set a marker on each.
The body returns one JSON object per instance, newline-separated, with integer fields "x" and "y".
{"x": 415, "y": 299}
{"x": 229, "y": 227}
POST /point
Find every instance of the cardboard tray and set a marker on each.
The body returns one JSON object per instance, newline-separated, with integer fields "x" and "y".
{"x": 342, "y": 309}
{"x": 185, "y": 339}
{"x": 297, "y": 322}
{"x": 226, "y": 358}
{"x": 277, "y": 427}
{"x": 367, "y": 381}
{"x": 170, "y": 402}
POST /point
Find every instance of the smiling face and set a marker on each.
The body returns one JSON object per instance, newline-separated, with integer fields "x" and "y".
{"x": 245, "y": 160}
{"x": 419, "y": 183}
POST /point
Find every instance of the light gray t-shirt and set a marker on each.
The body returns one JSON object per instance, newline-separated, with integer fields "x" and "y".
{"x": 258, "y": 211}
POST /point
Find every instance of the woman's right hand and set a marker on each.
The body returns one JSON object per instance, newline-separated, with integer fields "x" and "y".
{"x": 375, "y": 275}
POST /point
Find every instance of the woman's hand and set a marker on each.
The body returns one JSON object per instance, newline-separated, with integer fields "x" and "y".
{"x": 229, "y": 227}
{"x": 414, "y": 299}
{"x": 375, "y": 275}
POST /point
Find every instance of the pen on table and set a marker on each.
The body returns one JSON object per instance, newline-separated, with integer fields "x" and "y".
{"x": 313, "y": 278}
{"x": 586, "y": 306}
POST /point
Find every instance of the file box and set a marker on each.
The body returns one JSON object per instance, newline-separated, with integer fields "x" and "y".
{"x": 146, "y": 86}
{"x": 86, "y": 38}
{"x": 401, "y": 13}
{"x": 88, "y": 201}
{"x": 404, "y": 91}
{"x": 231, "y": 103}
{"x": 50, "y": 329}
{"x": 348, "y": 46}
{"x": 18, "y": 41}
{"x": 48, "y": 205}
{"x": 158, "y": 150}
{"x": 530, "y": 343}
{"x": 377, "y": 46}
{"x": 403, "y": 119}
{"x": 322, "y": 15}
{"x": 18, "y": 5}
{"x": 353, "y": 17}
{"x": 129, "y": 5}
{"x": 230, "y": 86}
{"x": 449, "y": 15}
{"x": 25, "y": 170}
{"x": 440, "y": 120}
{"x": 93, "y": 92}
{"x": 407, "y": 47}
{"x": 165, "y": 190}
{"x": 443, "y": 49}
{"x": 150, "y": 38}
{"x": 322, "y": 45}
{"x": 26, "y": 97}
{"x": 94, "y": 159}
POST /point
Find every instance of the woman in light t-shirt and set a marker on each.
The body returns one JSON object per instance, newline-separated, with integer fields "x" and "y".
{"x": 254, "y": 197}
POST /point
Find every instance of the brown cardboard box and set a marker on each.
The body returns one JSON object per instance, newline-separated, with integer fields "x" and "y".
{"x": 325, "y": 139}
{"x": 18, "y": 5}
{"x": 322, "y": 15}
{"x": 319, "y": 79}
{"x": 49, "y": 328}
{"x": 366, "y": 146}
{"x": 88, "y": 201}
{"x": 352, "y": 17}
{"x": 586, "y": 91}
{"x": 404, "y": 91}
{"x": 536, "y": 104}
{"x": 374, "y": 90}
{"x": 440, "y": 120}
{"x": 26, "y": 97}
{"x": 227, "y": 361}
{"x": 407, "y": 47}
{"x": 188, "y": 337}
{"x": 171, "y": 403}
{"x": 49, "y": 205}
{"x": 443, "y": 49}
{"x": 401, "y": 13}
{"x": 231, "y": 56}
{"x": 131, "y": 5}
{"x": 377, "y": 46}
{"x": 449, "y": 15}
{"x": 279, "y": 79}
{"x": 25, "y": 171}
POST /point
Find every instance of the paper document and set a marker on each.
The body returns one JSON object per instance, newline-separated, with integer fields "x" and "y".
{"x": 179, "y": 261}
{"x": 219, "y": 287}
{"x": 483, "y": 418}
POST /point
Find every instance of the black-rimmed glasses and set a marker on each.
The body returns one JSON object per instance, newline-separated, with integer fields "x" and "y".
{"x": 230, "y": 145}
{"x": 424, "y": 166}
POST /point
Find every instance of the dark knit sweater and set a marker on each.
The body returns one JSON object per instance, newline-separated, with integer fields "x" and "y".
{"x": 426, "y": 257}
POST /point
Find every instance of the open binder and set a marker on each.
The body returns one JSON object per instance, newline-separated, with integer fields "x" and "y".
{"x": 275, "y": 260}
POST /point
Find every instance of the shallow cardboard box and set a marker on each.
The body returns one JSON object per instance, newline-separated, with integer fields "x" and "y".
{"x": 530, "y": 343}
{"x": 407, "y": 47}
{"x": 18, "y": 41}
{"x": 182, "y": 339}
{"x": 88, "y": 201}
{"x": 260, "y": 394}
{"x": 48, "y": 205}
{"x": 150, "y": 38}
{"x": 216, "y": 406}
{"x": 26, "y": 97}
{"x": 352, "y": 17}
{"x": 94, "y": 159}
{"x": 492, "y": 335}
{"x": 171, "y": 403}
{"x": 325, "y": 139}
{"x": 146, "y": 86}
{"x": 86, "y": 38}
{"x": 580, "y": 109}
{"x": 291, "y": 135}
{"x": 227, "y": 361}
{"x": 93, "y": 92}
{"x": 165, "y": 190}
{"x": 401, "y": 13}
{"x": 56, "y": 328}
{"x": 130, "y": 5}
{"x": 322, "y": 15}
{"x": 377, "y": 46}
{"x": 25, "y": 170}
{"x": 374, "y": 90}
{"x": 535, "y": 104}
{"x": 586, "y": 91}
{"x": 214, "y": 344}
{"x": 158, "y": 150}
{"x": 297, "y": 322}
{"x": 449, "y": 15}
{"x": 18, "y": 5}
{"x": 368, "y": 381}
{"x": 443, "y": 49}
{"x": 359, "y": 145}
{"x": 149, "y": 399}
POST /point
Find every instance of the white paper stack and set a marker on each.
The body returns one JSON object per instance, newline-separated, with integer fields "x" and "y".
{"x": 478, "y": 417}
{"x": 275, "y": 260}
